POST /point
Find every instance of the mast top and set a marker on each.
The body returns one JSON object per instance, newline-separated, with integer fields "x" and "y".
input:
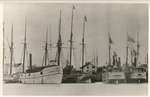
{"x": 47, "y": 35}
{"x": 12, "y": 34}
{"x": 25, "y": 30}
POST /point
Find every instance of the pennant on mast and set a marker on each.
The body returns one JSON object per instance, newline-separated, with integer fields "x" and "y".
{"x": 110, "y": 40}
{"x": 85, "y": 18}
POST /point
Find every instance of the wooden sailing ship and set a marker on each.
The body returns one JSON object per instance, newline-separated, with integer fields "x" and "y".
{"x": 112, "y": 73}
{"x": 49, "y": 73}
{"x": 75, "y": 76}
{"x": 84, "y": 77}
{"x": 137, "y": 73}
{"x": 12, "y": 77}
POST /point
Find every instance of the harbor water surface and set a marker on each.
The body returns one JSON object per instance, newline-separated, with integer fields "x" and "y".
{"x": 94, "y": 89}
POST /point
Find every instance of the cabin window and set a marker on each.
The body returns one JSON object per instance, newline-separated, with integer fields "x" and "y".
{"x": 41, "y": 73}
{"x": 87, "y": 67}
{"x": 93, "y": 66}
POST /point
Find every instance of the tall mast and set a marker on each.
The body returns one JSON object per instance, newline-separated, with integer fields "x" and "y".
{"x": 131, "y": 52}
{"x": 83, "y": 43}
{"x": 59, "y": 43}
{"x": 127, "y": 51}
{"x": 109, "y": 54}
{"x": 109, "y": 48}
{"x": 94, "y": 60}
{"x": 46, "y": 51}
{"x": 97, "y": 61}
{"x": 50, "y": 44}
{"x": 3, "y": 47}
{"x": 24, "y": 49}
{"x": 147, "y": 59}
{"x": 138, "y": 46}
{"x": 11, "y": 50}
{"x": 71, "y": 35}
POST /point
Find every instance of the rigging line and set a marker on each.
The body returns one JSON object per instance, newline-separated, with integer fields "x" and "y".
{"x": 67, "y": 58}
{"x": 43, "y": 60}
{"x": 50, "y": 30}
{"x": 3, "y": 47}
{"x": 21, "y": 56}
{"x": 49, "y": 61}
{"x": 56, "y": 56}
{"x": 8, "y": 44}
{"x": 14, "y": 59}
{"x": 13, "y": 56}
{"x": 74, "y": 56}
{"x": 62, "y": 54}
{"x": 27, "y": 53}
{"x": 62, "y": 57}
{"x": 86, "y": 55}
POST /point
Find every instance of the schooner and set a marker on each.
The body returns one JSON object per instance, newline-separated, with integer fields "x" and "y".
{"x": 49, "y": 73}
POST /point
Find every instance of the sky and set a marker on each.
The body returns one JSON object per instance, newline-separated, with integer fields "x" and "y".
{"x": 117, "y": 19}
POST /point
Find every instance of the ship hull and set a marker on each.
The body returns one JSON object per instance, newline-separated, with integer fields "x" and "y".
{"x": 49, "y": 75}
{"x": 113, "y": 77}
{"x": 11, "y": 78}
{"x": 137, "y": 77}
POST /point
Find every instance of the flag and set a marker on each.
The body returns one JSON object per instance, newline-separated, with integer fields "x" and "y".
{"x": 110, "y": 40}
{"x": 130, "y": 39}
{"x": 85, "y": 18}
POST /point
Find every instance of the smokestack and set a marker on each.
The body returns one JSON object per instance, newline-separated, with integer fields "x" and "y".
{"x": 30, "y": 56}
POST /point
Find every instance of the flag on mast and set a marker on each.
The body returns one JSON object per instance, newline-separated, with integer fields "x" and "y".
{"x": 110, "y": 40}
{"x": 85, "y": 18}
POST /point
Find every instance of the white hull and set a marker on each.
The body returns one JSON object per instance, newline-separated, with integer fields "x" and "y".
{"x": 51, "y": 75}
{"x": 138, "y": 75}
{"x": 11, "y": 78}
{"x": 107, "y": 76}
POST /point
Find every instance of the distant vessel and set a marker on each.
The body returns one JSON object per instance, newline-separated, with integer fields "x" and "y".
{"x": 84, "y": 77}
{"x": 137, "y": 73}
{"x": 10, "y": 77}
{"x": 50, "y": 73}
{"x": 112, "y": 74}
{"x": 68, "y": 77}
{"x": 13, "y": 78}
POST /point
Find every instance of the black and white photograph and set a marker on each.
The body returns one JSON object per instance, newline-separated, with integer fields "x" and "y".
{"x": 75, "y": 49}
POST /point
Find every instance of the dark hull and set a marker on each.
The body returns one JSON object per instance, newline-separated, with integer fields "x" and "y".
{"x": 11, "y": 81}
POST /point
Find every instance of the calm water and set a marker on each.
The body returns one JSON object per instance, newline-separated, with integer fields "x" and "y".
{"x": 75, "y": 89}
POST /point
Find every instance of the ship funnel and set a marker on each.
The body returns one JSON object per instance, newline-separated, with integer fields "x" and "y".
{"x": 30, "y": 56}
